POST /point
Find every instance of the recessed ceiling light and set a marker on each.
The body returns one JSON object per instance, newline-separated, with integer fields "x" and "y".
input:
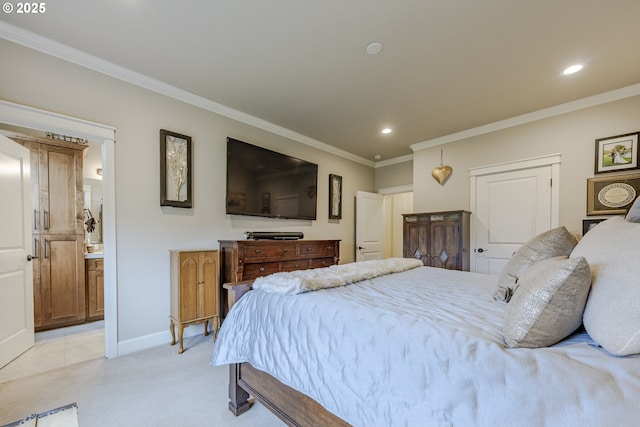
{"x": 386, "y": 130}
{"x": 377, "y": 157}
{"x": 374, "y": 48}
{"x": 572, "y": 69}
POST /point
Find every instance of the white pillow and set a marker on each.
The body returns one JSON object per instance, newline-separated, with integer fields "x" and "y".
{"x": 612, "y": 313}
{"x": 548, "y": 303}
{"x": 633, "y": 214}
{"x": 556, "y": 242}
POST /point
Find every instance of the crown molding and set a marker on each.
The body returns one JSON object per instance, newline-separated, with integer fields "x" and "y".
{"x": 580, "y": 104}
{"x": 394, "y": 161}
{"x": 42, "y": 44}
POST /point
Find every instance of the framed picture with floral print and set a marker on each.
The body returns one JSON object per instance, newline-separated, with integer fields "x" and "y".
{"x": 175, "y": 169}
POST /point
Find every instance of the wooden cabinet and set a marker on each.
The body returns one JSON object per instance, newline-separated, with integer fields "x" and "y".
{"x": 439, "y": 239}
{"x": 94, "y": 269}
{"x": 242, "y": 260}
{"x": 58, "y": 233}
{"x": 194, "y": 291}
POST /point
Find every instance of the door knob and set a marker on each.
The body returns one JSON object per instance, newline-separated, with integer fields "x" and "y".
{"x": 360, "y": 248}
{"x": 480, "y": 250}
{"x": 29, "y": 257}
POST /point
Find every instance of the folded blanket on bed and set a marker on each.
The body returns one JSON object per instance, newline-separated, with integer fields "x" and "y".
{"x": 296, "y": 282}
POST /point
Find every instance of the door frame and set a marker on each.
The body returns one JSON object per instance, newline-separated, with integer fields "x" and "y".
{"x": 552, "y": 160}
{"x": 42, "y": 120}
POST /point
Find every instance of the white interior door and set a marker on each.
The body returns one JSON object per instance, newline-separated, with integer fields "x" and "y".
{"x": 369, "y": 226}
{"x": 16, "y": 272}
{"x": 511, "y": 206}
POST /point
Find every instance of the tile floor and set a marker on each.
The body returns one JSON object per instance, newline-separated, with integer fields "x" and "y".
{"x": 57, "y": 348}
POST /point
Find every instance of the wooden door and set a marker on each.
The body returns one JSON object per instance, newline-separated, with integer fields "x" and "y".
{"x": 512, "y": 204}
{"x": 444, "y": 244}
{"x": 61, "y": 196}
{"x": 208, "y": 262}
{"x": 416, "y": 238}
{"x": 94, "y": 269}
{"x": 188, "y": 294}
{"x": 61, "y": 259}
{"x": 16, "y": 272}
{"x": 369, "y": 226}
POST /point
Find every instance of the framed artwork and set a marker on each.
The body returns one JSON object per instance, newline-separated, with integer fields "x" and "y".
{"x": 175, "y": 169}
{"x": 617, "y": 153}
{"x": 588, "y": 224}
{"x": 335, "y": 196}
{"x": 612, "y": 195}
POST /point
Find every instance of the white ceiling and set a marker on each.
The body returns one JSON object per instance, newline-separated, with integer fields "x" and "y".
{"x": 447, "y": 65}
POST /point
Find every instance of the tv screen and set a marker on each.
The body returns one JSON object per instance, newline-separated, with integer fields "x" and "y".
{"x": 265, "y": 183}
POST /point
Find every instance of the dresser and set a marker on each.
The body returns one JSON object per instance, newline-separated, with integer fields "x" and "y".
{"x": 439, "y": 239}
{"x": 242, "y": 260}
{"x": 194, "y": 291}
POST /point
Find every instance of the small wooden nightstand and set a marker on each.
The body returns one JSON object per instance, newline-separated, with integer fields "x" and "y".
{"x": 194, "y": 291}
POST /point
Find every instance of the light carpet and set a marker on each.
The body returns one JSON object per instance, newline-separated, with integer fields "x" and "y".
{"x": 156, "y": 387}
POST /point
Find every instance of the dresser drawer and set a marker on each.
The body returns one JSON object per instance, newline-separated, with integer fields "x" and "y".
{"x": 321, "y": 262}
{"x": 298, "y": 264}
{"x": 317, "y": 249}
{"x": 251, "y": 271}
{"x": 253, "y": 253}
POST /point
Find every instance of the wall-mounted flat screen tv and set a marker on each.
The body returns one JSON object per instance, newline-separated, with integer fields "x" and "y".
{"x": 265, "y": 183}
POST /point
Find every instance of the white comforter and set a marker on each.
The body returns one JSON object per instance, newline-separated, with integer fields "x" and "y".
{"x": 424, "y": 348}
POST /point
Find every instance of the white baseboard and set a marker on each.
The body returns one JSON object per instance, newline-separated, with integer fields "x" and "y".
{"x": 153, "y": 340}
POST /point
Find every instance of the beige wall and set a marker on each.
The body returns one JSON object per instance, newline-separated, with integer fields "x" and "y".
{"x": 145, "y": 231}
{"x": 572, "y": 135}
{"x": 395, "y": 175}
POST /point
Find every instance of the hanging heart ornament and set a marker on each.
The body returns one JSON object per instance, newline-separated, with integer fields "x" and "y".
{"x": 442, "y": 172}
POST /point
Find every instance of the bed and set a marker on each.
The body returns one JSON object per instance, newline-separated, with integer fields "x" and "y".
{"x": 427, "y": 346}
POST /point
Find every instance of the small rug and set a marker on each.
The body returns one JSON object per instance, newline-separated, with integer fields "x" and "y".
{"x": 65, "y": 416}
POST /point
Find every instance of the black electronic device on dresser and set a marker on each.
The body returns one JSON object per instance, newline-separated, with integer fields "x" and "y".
{"x": 273, "y": 235}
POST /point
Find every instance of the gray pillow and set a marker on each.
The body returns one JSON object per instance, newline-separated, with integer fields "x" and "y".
{"x": 612, "y": 314}
{"x": 634, "y": 212}
{"x": 549, "y": 302}
{"x": 556, "y": 242}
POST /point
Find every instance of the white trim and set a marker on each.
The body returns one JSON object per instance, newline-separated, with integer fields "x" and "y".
{"x": 553, "y": 160}
{"x": 32, "y": 118}
{"x": 146, "y": 342}
{"x": 591, "y": 101}
{"x": 42, "y": 44}
{"x": 532, "y": 162}
{"x": 396, "y": 190}
{"x": 394, "y": 161}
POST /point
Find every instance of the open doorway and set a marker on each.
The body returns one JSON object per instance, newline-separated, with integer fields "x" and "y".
{"x": 69, "y": 295}
{"x": 14, "y": 116}
{"x": 396, "y": 202}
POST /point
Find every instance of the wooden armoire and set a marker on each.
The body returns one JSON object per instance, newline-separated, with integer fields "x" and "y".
{"x": 58, "y": 231}
{"x": 439, "y": 239}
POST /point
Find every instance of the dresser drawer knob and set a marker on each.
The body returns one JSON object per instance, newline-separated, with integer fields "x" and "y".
{"x": 258, "y": 251}
{"x": 261, "y": 269}
{"x": 286, "y": 250}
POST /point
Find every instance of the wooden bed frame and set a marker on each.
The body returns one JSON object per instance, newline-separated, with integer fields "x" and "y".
{"x": 291, "y": 406}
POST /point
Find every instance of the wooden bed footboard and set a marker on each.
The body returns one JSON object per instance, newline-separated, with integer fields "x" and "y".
{"x": 291, "y": 406}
